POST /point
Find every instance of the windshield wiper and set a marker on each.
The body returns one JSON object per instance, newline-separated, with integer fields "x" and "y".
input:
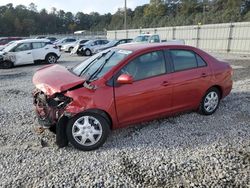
{"x": 100, "y": 68}
{"x": 103, "y": 54}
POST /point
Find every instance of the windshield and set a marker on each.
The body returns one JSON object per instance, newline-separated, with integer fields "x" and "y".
{"x": 9, "y": 47}
{"x": 60, "y": 40}
{"x": 99, "y": 64}
{"x": 111, "y": 43}
{"x": 89, "y": 42}
{"x": 141, "y": 39}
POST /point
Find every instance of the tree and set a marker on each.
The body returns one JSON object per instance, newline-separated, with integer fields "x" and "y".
{"x": 32, "y": 7}
{"x": 23, "y": 21}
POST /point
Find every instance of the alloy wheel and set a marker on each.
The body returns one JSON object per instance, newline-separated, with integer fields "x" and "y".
{"x": 211, "y": 101}
{"x": 87, "y": 130}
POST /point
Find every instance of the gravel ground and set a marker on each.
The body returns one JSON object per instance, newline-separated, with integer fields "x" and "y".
{"x": 188, "y": 150}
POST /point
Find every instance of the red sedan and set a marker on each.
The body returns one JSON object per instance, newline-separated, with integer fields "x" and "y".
{"x": 126, "y": 85}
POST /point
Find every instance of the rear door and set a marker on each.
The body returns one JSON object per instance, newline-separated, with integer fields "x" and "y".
{"x": 149, "y": 96}
{"x": 190, "y": 78}
{"x": 23, "y": 54}
{"x": 38, "y": 50}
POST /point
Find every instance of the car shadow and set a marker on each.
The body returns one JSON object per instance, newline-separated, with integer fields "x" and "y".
{"x": 188, "y": 130}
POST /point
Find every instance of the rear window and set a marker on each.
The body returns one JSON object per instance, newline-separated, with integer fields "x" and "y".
{"x": 185, "y": 59}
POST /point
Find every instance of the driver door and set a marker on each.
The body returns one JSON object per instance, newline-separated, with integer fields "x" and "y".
{"x": 150, "y": 94}
{"x": 23, "y": 54}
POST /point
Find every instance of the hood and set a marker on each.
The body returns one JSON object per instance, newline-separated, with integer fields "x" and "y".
{"x": 53, "y": 79}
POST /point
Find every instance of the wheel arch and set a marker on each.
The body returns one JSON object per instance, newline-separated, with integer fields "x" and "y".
{"x": 51, "y": 53}
{"x": 103, "y": 114}
{"x": 219, "y": 89}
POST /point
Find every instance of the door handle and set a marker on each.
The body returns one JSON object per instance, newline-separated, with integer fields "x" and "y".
{"x": 165, "y": 83}
{"x": 203, "y": 75}
{"x": 29, "y": 53}
{"x": 46, "y": 48}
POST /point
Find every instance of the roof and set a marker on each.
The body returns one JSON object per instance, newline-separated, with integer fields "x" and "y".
{"x": 33, "y": 40}
{"x": 145, "y": 46}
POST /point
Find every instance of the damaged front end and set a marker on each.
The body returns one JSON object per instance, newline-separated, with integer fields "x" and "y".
{"x": 49, "y": 109}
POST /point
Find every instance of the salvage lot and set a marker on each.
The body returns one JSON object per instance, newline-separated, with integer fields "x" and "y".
{"x": 186, "y": 150}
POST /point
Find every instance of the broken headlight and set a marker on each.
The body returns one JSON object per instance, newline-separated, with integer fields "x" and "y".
{"x": 59, "y": 101}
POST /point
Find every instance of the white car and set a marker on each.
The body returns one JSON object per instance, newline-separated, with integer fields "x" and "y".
{"x": 88, "y": 47}
{"x": 64, "y": 41}
{"x": 28, "y": 51}
{"x": 70, "y": 46}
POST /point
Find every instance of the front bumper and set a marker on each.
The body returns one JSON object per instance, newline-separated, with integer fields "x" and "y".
{"x": 49, "y": 110}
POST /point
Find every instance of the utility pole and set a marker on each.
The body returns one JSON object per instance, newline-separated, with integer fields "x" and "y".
{"x": 125, "y": 15}
{"x": 204, "y": 12}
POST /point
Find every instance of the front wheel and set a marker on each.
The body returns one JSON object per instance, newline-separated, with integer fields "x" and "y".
{"x": 6, "y": 64}
{"x": 210, "y": 102}
{"x": 87, "y": 131}
{"x": 51, "y": 59}
{"x": 88, "y": 52}
{"x": 70, "y": 49}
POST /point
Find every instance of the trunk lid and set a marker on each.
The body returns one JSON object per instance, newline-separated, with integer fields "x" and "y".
{"x": 53, "y": 79}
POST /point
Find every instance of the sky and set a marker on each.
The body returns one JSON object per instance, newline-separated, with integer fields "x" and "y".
{"x": 74, "y": 6}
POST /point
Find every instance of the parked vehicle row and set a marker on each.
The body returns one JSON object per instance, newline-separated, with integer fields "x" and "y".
{"x": 126, "y": 85}
{"x": 111, "y": 44}
{"x": 29, "y": 51}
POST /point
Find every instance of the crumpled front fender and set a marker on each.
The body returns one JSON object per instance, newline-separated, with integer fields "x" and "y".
{"x": 78, "y": 104}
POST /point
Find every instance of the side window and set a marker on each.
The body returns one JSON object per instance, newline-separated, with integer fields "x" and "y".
{"x": 23, "y": 47}
{"x": 145, "y": 66}
{"x": 154, "y": 38}
{"x": 183, "y": 59}
{"x": 200, "y": 61}
{"x": 82, "y": 41}
{"x": 37, "y": 45}
{"x": 72, "y": 40}
{"x": 121, "y": 42}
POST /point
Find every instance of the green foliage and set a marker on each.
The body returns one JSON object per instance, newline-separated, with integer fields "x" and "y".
{"x": 23, "y": 21}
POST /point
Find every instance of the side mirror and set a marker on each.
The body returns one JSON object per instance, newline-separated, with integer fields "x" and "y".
{"x": 125, "y": 79}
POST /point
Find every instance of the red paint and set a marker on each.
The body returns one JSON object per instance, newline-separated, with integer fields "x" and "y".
{"x": 142, "y": 100}
{"x": 53, "y": 79}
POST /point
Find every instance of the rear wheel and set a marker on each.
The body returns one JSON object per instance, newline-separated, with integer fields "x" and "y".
{"x": 210, "y": 101}
{"x": 87, "y": 131}
{"x": 6, "y": 64}
{"x": 51, "y": 58}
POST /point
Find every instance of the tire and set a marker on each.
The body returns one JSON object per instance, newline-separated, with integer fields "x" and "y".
{"x": 210, "y": 102}
{"x": 51, "y": 59}
{"x": 6, "y": 64}
{"x": 80, "y": 53}
{"x": 70, "y": 49}
{"x": 87, "y": 52}
{"x": 87, "y": 131}
{"x": 53, "y": 129}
